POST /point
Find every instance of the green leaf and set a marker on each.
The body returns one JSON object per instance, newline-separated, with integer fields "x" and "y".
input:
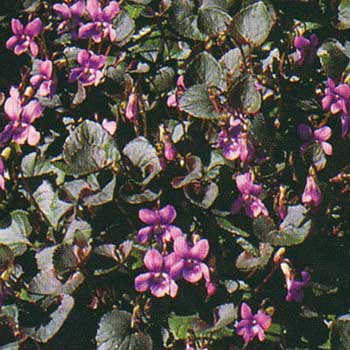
{"x": 340, "y": 333}
{"x": 64, "y": 259}
{"x": 246, "y": 261}
{"x": 207, "y": 197}
{"x": 125, "y": 27}
{"x": 33, "y": 165}
{"x": 245, "y": 96}
{"x": 163, "y": 79}
{"x": 252, "y": 25}
{"x": 343, "y": 15}
{"x": 58, "y": 317}
{"x": 184, "y": 20}
{"x": 15, "y": 235}
{"x": 194, "y": 168}
{"x": 204, "y": 69}
{"x": 180, "y": 325}
{"x": 333, "y": 58}
{"x": 7, "y": 257}
{"x": 231, "y": 62}
{"x": 143, "y": 156}
{"x": 115, "y": 333}
{"x": 11, "y": 346}
{"x": 196, "y": 102}
{"x": 227, "y": 314}
{"x": 315, "y": 154}
{"x": 50, "y": 205}
{"x": 79, "y": 231}
{"x": 139, "y": 198}
{"x": 227, "y": 226}
{"x": 45, "y": 283}
{"x": 106, "y": 195}
{"x": 212, "y": 20}
{"x": 89, "y": 148}
{"x": 293, "y": 230}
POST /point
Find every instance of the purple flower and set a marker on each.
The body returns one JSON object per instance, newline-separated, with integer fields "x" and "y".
{"x": 306, "y": 49}
{"x": 252, "y": 325}
{"x": 20, "y": 128}
{"x": 249, "y": 197}
{"x": 337, "y": 100}
{"x": 101, "y": 26}
{"x": 295, "y": 288}
{"x": 234, "y": 141}
{"x": 2, "y": 173}
{"x": 170, "y": 151}
{"x": 131, "y": 107}
{"x": 312, "y": 194}
{"x": 158, "y": 279}
{"x": 159, "y": 222}
{"x": 71, "y": 17}
{"x": 180, "y": 89}
{"x": 44, "y": 80}
{"x": 320, "y": 136}
{"x": 23, "y": 38}
{"x": 89, "y": 72}
{"x": 189, "y": 262}
{"x": 110, "y": 126}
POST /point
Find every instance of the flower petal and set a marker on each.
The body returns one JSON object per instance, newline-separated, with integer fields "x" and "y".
{"x": 200, "y": 250}
{"x": 181, "y": 246}
{"x": 144, "y": 233}
{"x": 304, "y": 132}
{"x": 33, "y": 137}
{"x": 167, "y": 214}
{"x": 142, "y": 282}
{"x": 34, "y": 27}
{"x": 323, "y": 134}
{"x": 192, "y": 274}
{"x": 153, "y": 260}
{"x": 149, "y": 217}
{"x": 32, "y": 111}
{"x": 110, "y": 11}
{"x": 246, "y": 311}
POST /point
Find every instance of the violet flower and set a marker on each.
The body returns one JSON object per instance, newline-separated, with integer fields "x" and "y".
{"x": 20, "y": 128}
{"x": 320, "y": 136}
{"x": 71, "y": 16}
{"x": 235, "y": 142}
{"x": 158, "y": 279}
{"x": 306, "y": 49}
{"x": 189, "y": 262}
{"x": 172, "y": 100}
{"x": 295, "y": 287}
{"x": 249, "y": 198}
{"x": 43, "y": 81}
{"x": 132, "y": 107}
{"x": 101, "y": 26}
{"x": 337, "y": 98}
{"x": 312, "y": 194}
{"x": 159, "y": 222}
{"x": 252, "y": 325}
{"x": 24, "y": 37}
{"x": 89, "y": 72}
{"x": 2, "y": 173}
{"x": 170, "y": 151}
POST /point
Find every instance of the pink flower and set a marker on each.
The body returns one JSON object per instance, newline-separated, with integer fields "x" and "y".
{"x": 172, "y": 101}
{"x": 101, "y": 26}
{"x": 170, "y": 151}
{"x": 189, "y": 262}
{"x": 159, "y": 222}
{"x": 2, "y": 172}
{"x": 23, "y": 38}
{"x": 306, "y": 49}
{"x": 89, "y": 72}
{"x": 157, "y": 279}
{"x": 110, "y": 126}
{"x": 252, "y": 325}
{"x": 132, "y": 107}
{"x": 44, "y": 80}
{"x": 20, "y": 128}
{"x": 312, "y": 194}
{"x": 235, "y": 142}
{"x": 71, "y": 15}
{"x": 249, "y": 198}
{"x": 320, "y": 136}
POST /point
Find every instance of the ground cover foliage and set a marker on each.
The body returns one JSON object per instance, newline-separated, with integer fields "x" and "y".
{"x": 174, "y": 174}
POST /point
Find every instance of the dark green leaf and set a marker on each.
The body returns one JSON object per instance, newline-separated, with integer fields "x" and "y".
{"x": 64, "y": 259}
{"x": 206, "y": 199}
{"x": 343, "y": 15}
{"x": 227, "y": 226}
{"x": 194, "y": 168}
{"x": 143, "y": 156}
{"x": 227, "y": 314}
{"x": 163, "y": 79}
{"x": 196, "y": 102}
{"x": 58, "y": 317}
{"x": 89, "y": 148}
{"x": 106, "y": 195}
{"x": 50, "y": 205}
{"x": 245, "y": 95}
{"x": 125, "y": 26}
{"x": 7, "y": 257}
{"x": 333, "y": 58}
{"x": 212, "y": 21}
{"x": 204, "y": 69}
{"x": 45, "y": 283}
{"x": 340, "y": 333}
{"x": 252, "y": 25}
{"x": 139, "y": 198}
{"x": 248, "y": 262}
